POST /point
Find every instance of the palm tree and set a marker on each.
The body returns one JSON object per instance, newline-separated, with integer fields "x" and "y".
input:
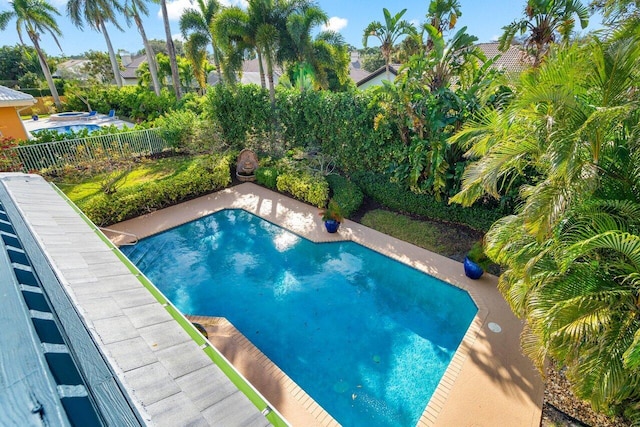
{"x": 546, "y": 21}
{"x": 299, "y": 25}
{"x": 133, "y": 10}
{"x": 266, "y": 39}
{"x": 331, "y": 60}
{"x": 202, "y": 22}
{"x": 196, "y": 53}
{"x": 97, "y": 13}
{"x": 319, "y": 57}
{"x": 427, "y": 110}
{"x": 618, "y": 12}
{"x": 571, "y": 252}
{"x": 235, "y": 39}
{"x": 394, "y": 28}
{"x": 35, "y": 17}
{"x": 443, "y": 14}
{"x": 171, "y": 50}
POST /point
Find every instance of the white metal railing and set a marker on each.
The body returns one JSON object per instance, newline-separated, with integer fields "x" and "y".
{"x": 54, "y": 156}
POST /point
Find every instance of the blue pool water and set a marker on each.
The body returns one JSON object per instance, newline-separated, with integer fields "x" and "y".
{"x": 365, "y": 336}
{"x": 69, "y": 128}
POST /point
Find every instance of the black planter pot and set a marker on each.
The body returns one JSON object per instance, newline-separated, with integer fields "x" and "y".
{"x": 331, "y": 225}
{"x": 472, "y": 270}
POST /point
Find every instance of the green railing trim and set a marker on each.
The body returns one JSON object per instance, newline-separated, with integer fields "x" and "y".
{"x": 225, "y": 366}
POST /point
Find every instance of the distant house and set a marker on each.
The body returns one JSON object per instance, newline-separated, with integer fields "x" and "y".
{"x": 11, "y": 102}
{"x": 130, "y": 64}
{"x": 513, "y": 60}
{"x": 376, "y": 78}
{"x": 356, "y": 72}
{"x": 72, "y": 69}
{"x": 250, "y": 74}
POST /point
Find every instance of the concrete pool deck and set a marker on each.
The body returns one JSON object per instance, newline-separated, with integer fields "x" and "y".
{"x": 489, "y": 382}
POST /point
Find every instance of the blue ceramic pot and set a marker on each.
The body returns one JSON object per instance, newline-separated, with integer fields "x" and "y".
{"x": 472, "y": 270}
{"x": 331, "y": 225}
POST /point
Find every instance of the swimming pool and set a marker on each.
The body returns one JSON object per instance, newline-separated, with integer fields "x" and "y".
{"x": 367, "y": 337}
{"x": 69, "y": 128}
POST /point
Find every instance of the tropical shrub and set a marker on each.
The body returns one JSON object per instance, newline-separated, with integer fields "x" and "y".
{"x": 9, "y": 161}
{"x": 397, "y": 198}
{"x": 304, "y": 185}
{"x": 571, "y": 250}
{"x": 339, "y": 124}
{"x": 345, "y": 193}
{"x": 267, "y": 176}
{"x": 211, "y": 173}
{"x": 178, "y": 128}
{"x": 242, "y": 114}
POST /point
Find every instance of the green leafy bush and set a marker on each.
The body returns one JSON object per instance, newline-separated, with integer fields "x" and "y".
{"x": 347, "y": 194}
{"x": 178, "y": 128}
{"x": 343, "y": 125}
{"x": 241, "y": 113}
{"x": 209, "y": 174}
{"x": 304, "y": 185}
{"x": 267, "y": 176}
{"x": 396, "y": 198}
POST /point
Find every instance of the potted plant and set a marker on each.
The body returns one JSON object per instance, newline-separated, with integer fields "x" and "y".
{"x": 332, "y": 216}
{"x": 476, "y": 261}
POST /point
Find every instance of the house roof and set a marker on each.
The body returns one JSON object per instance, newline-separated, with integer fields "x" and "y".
{"x": 15, "y": 98}
{"x": 73, "y": 68}
{"x": 513, "y": 59}
{"x": 356, "y": 72}
{"x": 129, "y": 71}
{"x": 393, "y": 69}
{"x": 250, "y": 73}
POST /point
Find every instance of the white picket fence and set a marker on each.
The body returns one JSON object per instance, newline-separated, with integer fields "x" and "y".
{"x": 55, "y": 156}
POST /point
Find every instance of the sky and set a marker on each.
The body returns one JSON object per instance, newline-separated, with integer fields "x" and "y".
{"x": 483, "y": 19}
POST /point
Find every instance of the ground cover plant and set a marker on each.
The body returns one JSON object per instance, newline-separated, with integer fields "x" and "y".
{"x": 145, "y": 189}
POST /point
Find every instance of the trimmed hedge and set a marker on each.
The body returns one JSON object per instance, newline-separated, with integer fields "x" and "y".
{"x": 346, "y": 194}
{"x": 394, "y": 197}
{"x": 304, "y": 185}
{"x": 207, "y": 175}
{"x": 267, "y": 176}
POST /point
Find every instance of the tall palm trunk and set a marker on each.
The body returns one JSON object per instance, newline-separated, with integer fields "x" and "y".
{"x": 151, "y": 57}
{"x": 216, "y": 59}
{"x": 112, "y": 55}
{"x": 261, "y": 68}
{"x": 45, "y": 69}
{"x": 175, "y": 75}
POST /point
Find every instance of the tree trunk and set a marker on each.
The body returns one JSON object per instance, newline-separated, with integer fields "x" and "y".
{"x": 112, "y": 55}
{"x": 216, "y": 59}
{"x": 151, "y": 56}
{"x": 175, "y": 75}
{"x": 262, "y": 79}
{"x": 272, "y": 90}
{"x": 45, "y": 69}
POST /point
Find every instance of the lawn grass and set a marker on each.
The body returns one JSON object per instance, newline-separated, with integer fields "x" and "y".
{"x": 447, "y": 240}
{"x": 149, "y": 170}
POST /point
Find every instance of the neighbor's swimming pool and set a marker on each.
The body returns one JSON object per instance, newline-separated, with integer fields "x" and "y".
{"x": 365, "y": 336}
{"x": 69, "y": 128}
